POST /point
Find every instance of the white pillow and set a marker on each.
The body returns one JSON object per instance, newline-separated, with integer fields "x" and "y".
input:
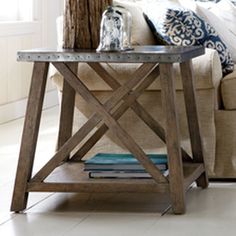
{"x": 140, "y": 32}
{"x": 188, "y": 4}
{"x": 226, "y": 11}
{"x": 220, "y": 26}
{"x": 59, "y": 22}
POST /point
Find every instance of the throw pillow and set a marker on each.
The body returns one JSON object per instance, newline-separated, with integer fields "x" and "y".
{"x": 221, "y": 25}
{"x": 184, "y": 27}
{"x": 226, "y": 11}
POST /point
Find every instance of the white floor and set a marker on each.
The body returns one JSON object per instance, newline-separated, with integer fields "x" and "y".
{"x": 209, "y": 212}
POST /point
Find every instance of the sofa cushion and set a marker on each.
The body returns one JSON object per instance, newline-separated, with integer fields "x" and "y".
{"x": 184, "y": 27}
{"x": 228, "y": 88}
{"x": 226, "y": 11}
{"x": 138, "y": 36}
{"x": 221, "y": 27}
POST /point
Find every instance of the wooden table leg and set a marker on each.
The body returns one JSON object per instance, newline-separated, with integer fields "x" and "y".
{"x": 67, "y": 110}
{"x": 176, "y": 178}
{"x": 30, "y": 135}
{"x": 192, "y": 116}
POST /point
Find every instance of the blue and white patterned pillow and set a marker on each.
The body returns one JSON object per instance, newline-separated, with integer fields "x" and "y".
{"x": 184, "y": 27}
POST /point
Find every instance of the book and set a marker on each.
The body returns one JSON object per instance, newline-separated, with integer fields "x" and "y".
{"x": 122, "y": 162}
{"x": 122, "y": 174}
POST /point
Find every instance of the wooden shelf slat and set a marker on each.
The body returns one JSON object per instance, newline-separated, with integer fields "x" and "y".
{"x": 191, "y": 172}
{"x": 70, "y": 177}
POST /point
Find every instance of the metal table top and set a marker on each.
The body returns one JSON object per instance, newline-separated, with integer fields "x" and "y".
{"x": 162, "y": 54}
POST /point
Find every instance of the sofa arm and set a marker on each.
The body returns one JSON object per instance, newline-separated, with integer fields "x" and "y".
{"x": 207, "y": 71}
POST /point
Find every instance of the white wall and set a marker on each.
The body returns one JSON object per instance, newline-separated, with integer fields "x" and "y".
{"x": 15, "y": 76}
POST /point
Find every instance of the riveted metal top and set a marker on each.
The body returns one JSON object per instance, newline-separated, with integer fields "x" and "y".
{"x": 162, "y": 54}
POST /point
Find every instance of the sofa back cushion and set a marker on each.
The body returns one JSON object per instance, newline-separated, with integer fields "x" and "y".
{"x": 140, "y": 32}
{"x": 221, "y": 26}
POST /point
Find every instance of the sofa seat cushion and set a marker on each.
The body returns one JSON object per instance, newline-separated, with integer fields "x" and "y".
{"x": 228, "y": 88}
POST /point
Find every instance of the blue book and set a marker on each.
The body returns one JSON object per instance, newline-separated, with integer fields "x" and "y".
{"x": 119, "y": 162}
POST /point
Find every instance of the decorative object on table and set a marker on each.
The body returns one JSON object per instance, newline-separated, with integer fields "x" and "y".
{"x": 183, "y": 27}
{"x": 111, "y": 165}
{"x": 82, "y": 23}
{"x": 115, "y": 30}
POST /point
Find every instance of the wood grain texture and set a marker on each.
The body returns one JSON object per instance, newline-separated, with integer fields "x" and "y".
{"x": 30, "y": 136}
{"x": 192, "y": 171}
{"x": 93, "y": 121}
{"x": 82, "y": 22}
{"x": 71, "y": 177}
{"x": 136, "y": 107}
{"x": 99, "y": 187}
{"x": 110, "y": 121}
{"x": 176, "y": 179}
{"x": 66, "y": 111}
{"x": 69, "y": 24}
{"x": 61, "y": 176}
{"x": 128, "y": 101}
{"x": 192, "y": 117}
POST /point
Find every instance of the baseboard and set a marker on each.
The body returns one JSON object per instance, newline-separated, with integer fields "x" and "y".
{"x": 15, "y": 110}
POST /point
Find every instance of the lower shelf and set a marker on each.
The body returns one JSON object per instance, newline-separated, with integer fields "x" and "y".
{"x": 70, "y": 177}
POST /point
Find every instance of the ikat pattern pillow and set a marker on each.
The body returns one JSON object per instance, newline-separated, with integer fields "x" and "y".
{"x": 183, "y": 28}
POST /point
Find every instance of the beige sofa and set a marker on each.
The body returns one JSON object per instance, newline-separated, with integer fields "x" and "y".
{"x": 216, "y": 104}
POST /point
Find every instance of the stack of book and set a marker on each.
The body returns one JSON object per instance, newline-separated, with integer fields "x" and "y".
{"x": 106, "y": 165}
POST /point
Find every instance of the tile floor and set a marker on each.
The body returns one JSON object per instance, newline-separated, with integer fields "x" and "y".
{"x": 209, "y": 212}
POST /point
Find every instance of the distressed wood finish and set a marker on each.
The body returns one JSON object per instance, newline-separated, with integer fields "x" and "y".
{"x": 192, "y": 117}
{"x": 128, "y": 101}
{"x": 96, "y": 8}
{"x": 30, "y": 136}
{"x": 70, "y": 177}
{"x": 66, "y": 111}
{"x": 136, "y": 107}
{"x": 69, "y": 24}
{"x": 176, "y": 180}
{"x": 110, "y": 121}
{"x": 82, "y": 22}
{"x": 92, "y": 122}
{"x": 192, "y": 171}
{"x": 60, "y": 175}
{"x": 122, "y": 187}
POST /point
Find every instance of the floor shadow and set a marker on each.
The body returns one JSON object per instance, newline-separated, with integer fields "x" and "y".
{"x": 110, "y": 202}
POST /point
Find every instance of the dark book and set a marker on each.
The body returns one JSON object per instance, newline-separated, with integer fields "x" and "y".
{"x": 119, "y": 162}
{"x": 122, "y": 174}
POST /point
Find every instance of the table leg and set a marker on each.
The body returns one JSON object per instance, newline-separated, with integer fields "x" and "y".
{"x": 67, "y": 110}
{"x": 176, "y": 178}
{"x": 192, "y": 116}
{"x": 30, "y": 135}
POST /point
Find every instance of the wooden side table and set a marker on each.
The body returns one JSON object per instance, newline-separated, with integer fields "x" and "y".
{"x": 63, "y": 172}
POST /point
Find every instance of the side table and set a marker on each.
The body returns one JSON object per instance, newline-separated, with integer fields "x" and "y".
{"x": 64, "y": 172}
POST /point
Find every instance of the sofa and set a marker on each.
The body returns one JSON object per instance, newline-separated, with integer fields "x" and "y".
{"x": 216, "y": 103}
